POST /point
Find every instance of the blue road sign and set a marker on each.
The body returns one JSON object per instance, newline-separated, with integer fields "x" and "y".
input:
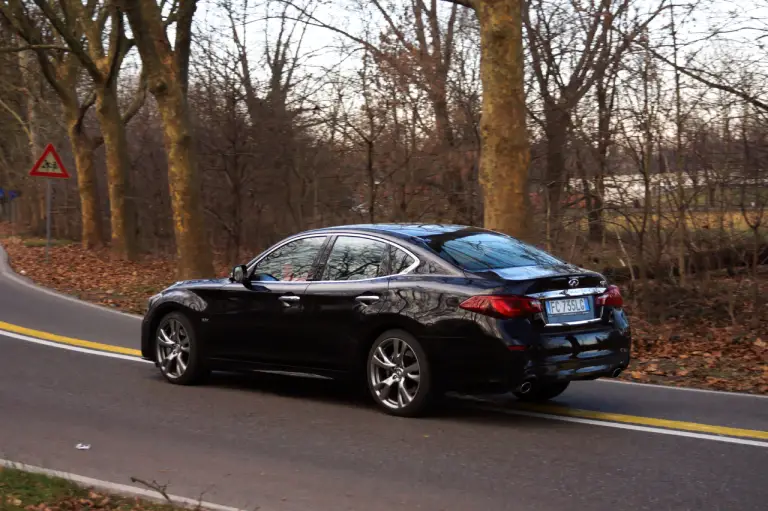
{"x": 11, "y": 194}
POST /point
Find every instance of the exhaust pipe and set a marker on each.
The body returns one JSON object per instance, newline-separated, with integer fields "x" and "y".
{"x": 616, "y": 372}
{"x": 524, "y": 387}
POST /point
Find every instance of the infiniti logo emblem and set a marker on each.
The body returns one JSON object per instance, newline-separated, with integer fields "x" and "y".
{"x": 573, "y": 282}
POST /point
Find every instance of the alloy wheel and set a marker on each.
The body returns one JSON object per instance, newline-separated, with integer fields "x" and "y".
{"x": 173, "y": 348}
{"x": 395, "y": 373}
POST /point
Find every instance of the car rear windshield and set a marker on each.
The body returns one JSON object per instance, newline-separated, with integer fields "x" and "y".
{"x": 479, "y": 251}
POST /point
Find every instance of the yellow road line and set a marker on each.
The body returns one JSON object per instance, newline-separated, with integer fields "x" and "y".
{"x": 68, "y": 340}
{"x": 549, "y": 409}
{"x": 647, "y": 421}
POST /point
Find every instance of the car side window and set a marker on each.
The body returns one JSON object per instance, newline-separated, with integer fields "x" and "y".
{"x": 400, "y": 261}
{"x": 354, "y": 258}
{"x": 293, "y": 261}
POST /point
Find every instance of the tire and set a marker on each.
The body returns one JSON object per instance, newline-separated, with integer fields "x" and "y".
{"x": 409, "y": 392}
{"x": 193, "y": 369}
{"x": 543, "y": 392}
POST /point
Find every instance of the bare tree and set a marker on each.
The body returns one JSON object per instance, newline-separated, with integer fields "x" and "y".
{"x": 167, "y": 71}
{"x": 82, "y": 27}
{"x": 61, "y": 70}
{"x": 572, "y": 47}
{"x": 505, "y": 153}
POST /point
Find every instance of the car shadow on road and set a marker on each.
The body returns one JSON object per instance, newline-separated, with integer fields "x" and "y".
{"x": 292, "y": 386}
{"x": 341, "y": 393}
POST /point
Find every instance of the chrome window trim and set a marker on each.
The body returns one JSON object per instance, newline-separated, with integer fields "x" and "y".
{"x": 329, "y": 234}
{"x": 567, "y": 293}
{"x": 249, "y": 267}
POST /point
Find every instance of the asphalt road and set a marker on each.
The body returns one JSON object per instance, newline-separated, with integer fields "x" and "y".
{"x": 280, "y": 443}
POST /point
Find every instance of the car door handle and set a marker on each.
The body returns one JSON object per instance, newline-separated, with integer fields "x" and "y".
{"x": 367, "y": 299}
{"x": 288, "y": 299}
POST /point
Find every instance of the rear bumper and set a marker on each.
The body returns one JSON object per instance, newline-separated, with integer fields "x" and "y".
{"x": 577, "y": 356}
{"x": 573, "y": 369}
{"x": 492, "y": 365}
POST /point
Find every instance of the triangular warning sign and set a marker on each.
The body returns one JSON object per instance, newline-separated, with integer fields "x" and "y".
{"x": 49, "y": 165}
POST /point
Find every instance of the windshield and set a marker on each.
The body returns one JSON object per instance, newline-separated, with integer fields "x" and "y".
{"x": 479, "y": 251}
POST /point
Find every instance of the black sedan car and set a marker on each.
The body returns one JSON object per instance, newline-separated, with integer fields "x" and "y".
{"x": 411, "y": 311}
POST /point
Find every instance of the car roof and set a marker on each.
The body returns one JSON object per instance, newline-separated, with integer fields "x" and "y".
{"x": 401, "y": 230}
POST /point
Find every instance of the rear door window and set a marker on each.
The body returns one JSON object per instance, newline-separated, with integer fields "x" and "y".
{"x": 354, "y": 258}
{"x": 481, "y": 251}
{"x": 400, "y": 261}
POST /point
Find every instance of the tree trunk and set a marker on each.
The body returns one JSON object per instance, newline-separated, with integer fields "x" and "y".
{"x": 505, "y": 152}
{"x": 167, "y": 72}
{"x": 91, "y": 231}
{"x": 439, "y": 97}
{"x": 604, "y": 137}
{"x": 192, "y": 248}
{"x": 31, "y": 80}
{"x": 556, "y": 138}
{"x": 122, "y": 211}
{"x": 595, "y": 213}
{"x": 371, "y": 184}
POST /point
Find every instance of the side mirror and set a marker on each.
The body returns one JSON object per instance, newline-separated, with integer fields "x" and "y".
{"x": 239, "y": 274}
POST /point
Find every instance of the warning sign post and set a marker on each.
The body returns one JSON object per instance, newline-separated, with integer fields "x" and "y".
{"x": 49, "y": 166}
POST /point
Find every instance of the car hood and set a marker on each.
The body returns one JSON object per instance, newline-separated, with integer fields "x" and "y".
{"x": 199, "y": 284}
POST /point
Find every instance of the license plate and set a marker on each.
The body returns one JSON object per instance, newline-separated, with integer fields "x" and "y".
{"x": 569, "y": 306}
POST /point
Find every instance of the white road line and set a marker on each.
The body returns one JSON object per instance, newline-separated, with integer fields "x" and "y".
{"x": 120, "y": 489}
{"x": 618, "y": 425}
{"x": 647, "y": 429}
{"x": 69, "y": 347}
{"x": 687, "y": 389}
{"x": 483, "y": 403}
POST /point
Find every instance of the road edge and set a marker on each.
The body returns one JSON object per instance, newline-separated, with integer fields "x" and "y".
{"x": 117, "y": 488}
{"x": 6, "y": 270}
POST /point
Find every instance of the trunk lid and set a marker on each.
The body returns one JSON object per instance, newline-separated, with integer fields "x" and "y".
{"x": 567, "y": 292}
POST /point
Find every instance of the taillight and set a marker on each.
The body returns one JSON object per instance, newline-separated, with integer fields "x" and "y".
{"x": 611, "y": 297}
{"x": 502, "y": 306}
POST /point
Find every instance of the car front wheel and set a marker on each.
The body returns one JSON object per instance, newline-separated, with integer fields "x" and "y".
{"x": 178, "y": 352}
{"x": 399, "y": 376}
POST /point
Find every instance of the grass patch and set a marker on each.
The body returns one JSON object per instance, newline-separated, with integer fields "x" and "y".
{"x": 25, "y": 491}
{"x": 20, "y": 489}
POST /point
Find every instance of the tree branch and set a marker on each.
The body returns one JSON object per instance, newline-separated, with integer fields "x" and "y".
{"x": 13, "y": 11}
{"x": 35, "y": 47}
{"x": 119, "y": 45}
{"x": 17, "y": 117}
{"x": 465, "y": 3}
{"x": 138, "y": 99}
{"x": 697, "y": 75}
{"x": 71, "y": 41}
{"x": 182, "y": 46}
{"x": 90, "y": 99}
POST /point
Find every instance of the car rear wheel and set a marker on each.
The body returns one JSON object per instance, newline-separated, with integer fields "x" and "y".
{"x": 178, "y": 352}
{"x": 399, "y": 376}
{"x": 543, "y": 392}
